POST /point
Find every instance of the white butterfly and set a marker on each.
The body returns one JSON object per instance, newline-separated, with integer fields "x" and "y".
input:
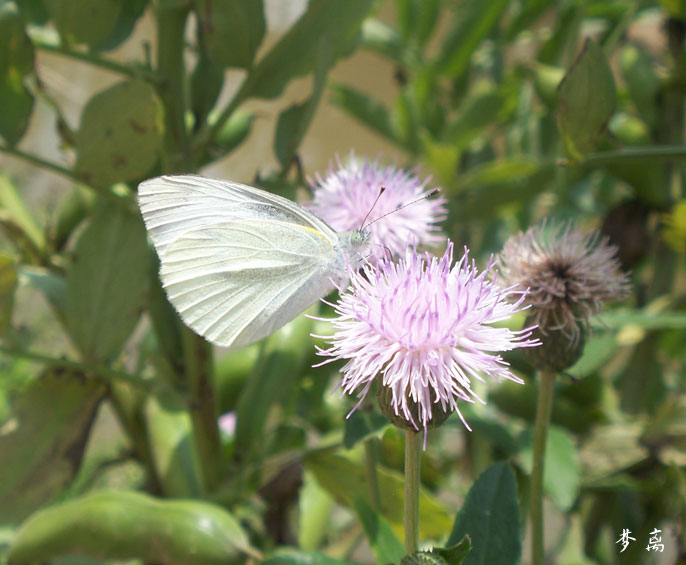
{"x": 237, "y": 262}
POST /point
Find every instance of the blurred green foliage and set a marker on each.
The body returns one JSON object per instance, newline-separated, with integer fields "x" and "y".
{"x": 519, "y": 109}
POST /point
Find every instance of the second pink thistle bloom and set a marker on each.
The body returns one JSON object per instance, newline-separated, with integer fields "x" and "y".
{"x": 345, "y": 197}
{"x": 423, "y": 326}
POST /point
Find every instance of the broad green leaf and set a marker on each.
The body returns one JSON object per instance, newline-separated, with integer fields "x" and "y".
{"x": 294, "y": 121}
{"x": 295, "y": 557}
{"x": 171, "y": 443}
{"x": 364, "y": 108}
{"x": 362, "y": 424}
{"x": 294, "y": 54}
{"x": 231, "y": 31}
{"x": 41, "y": 446}
{"x": 107, "y": 282}
{"x": 13, "y": 208}
{"x": 346, "y": 481}
{"x": 84, "y": 21}
{"x": 386, "y": 547}
{"x": 586, "y": 100}
{"x": 122, "y": 525}
{"x": 8, "y": 285}
{"x": 598, "y": 350}
{"x": 120, "y": 134}
{"x": 474, "y": 21}
{"x": 490, "y": 516}
{"x": 561, "y": 475}
{"x": 546, "y": 80}
{"x": 235, "y": 130}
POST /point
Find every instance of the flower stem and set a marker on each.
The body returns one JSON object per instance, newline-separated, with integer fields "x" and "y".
{"x": 412, "y": 470}
{"x": 372, "y": 478}
{"x": 543, "y": 412}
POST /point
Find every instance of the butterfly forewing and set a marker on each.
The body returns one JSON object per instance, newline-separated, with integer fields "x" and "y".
{"x": 173, "y": 205}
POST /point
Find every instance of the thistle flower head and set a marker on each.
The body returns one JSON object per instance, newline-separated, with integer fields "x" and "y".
{"x": 345, "y": 197}
{"x": 423, "y": 326}
{"x": 569, "y": 275}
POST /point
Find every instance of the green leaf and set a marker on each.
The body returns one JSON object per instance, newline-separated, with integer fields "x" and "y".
{"x": 84, "y": 21}
{"x": 586, "y": 100}
{"x": 561, "y": 475}
{"x": 385, "y": 546}
{"x": 120, "y": 135}
{"x": 490, "y": 516}
{"x": 314, "y": 511}
{"x": 8, "y": 285}
{"x": 474, "y": 21}
{"x": 41, "y": 446}
{"x": 51, "y": 285}
{"x": 362, "y": 424}
{"x": 294, "y": 54}
{"x": 295, "y": 557}
{"x": 638, "y": 71}
{"x": 508, "y": 170}
{"x": 170, "y": 435}
{"x": 384, "y": 39}
{"x": 364, "y": 108}
{"x": 13, "y": 209}
{"x": 294, "y": 121}
{"x": 231, "y": 30}
{"x": 346, "y": 481}
{"x": 417, "y": 19}
{"x": 207, "y": 81}
{"x": 454, "y": 555}
{"x": 484, "y": 108}
{"x": 17, "y": 105}
{"x": 16, "y": 51}
{"x": 644, "y": 319}
{"x": 281, "y": 359}
{"x": 107, "y": 283}
{"x": 122, "y": 525}
{"x": 129, "y": 12}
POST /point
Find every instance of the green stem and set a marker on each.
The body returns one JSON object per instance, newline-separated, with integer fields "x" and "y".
{"x": 55, "y": 168}
{"x": 98, "y": 372}
{"x": 202, "y": 409}
{"x": 413, "y": 454}
{"x": 171, "y": 27}
{"x": 372, "y": 477}
{"x": 543, "y": 412}
{"x": 636, "y": 153}
{"x": 86, "y": 57}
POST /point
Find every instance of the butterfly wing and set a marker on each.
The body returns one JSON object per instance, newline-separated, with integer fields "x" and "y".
{"x": 174, "y": 205}
{"x": 237, "y": 282}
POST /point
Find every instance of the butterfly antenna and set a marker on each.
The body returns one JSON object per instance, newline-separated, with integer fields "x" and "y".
{"x": 381, "y": 191}
{"x": 429, "y": 194}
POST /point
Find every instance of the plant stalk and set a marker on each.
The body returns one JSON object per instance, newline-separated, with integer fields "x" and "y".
{"x": 543, "y": 412}
{"x": 413, "y": 454}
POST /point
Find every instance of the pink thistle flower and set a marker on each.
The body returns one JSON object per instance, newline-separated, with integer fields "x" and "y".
{"x": 425, "y": 328}
{"x": 570, "y": 275}
{"x": 345, "y": 197}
